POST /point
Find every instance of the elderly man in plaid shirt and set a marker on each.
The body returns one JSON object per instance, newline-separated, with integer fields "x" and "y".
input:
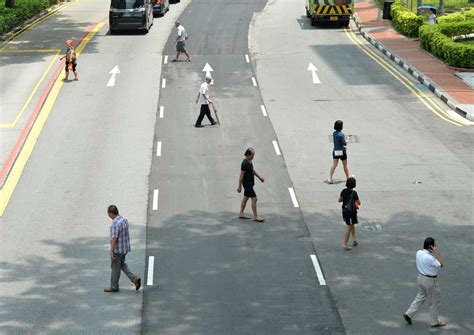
{"x": 119, "y": 247}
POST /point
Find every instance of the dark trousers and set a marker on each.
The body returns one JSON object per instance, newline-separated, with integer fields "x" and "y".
{"x": 204, "y": 111}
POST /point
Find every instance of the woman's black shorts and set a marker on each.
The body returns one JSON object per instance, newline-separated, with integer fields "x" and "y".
{"x": 249, "y": 192}
{"x": 342, "y": 158}
{"x": 350, "y": 218}
{"x": 181, "y": 46}
{"x": 73, "y": 66}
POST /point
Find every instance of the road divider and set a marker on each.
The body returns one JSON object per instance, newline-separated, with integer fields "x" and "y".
{"x": 277, "y": 149}
{"x": 293, "y": 197}
{"x": 317, "y": 268}
{"x": 156, "y": 193}
{"x": 151, "y": 269}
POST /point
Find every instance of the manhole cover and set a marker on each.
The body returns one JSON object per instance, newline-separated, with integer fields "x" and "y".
{"x": 349, "y": 138}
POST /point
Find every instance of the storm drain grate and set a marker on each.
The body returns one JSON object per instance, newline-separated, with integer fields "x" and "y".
{"x": 372, "y": 225}
{"x": 349, "y": 138}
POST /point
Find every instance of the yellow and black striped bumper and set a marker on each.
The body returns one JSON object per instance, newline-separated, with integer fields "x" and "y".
{"x": 331, "y": 10}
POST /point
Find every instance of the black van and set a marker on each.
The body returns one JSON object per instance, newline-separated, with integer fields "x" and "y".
{"x": 130, "y": 15}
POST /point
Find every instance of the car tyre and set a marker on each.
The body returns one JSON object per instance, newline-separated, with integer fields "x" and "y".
{"x": 313, "y": 22}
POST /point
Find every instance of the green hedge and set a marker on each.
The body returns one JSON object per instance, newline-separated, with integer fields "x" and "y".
{"x": 405, "y": 21}
{"x": 457, "y": 17}
{"x": 11, "y": 17}
{"x": 437, "y": 39}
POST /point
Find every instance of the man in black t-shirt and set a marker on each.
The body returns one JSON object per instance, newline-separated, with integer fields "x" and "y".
{"x": 247, "y": 180}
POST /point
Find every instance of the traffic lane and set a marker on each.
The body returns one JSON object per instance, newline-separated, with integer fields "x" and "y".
{"x": 94, "y": 150}
{"x": 217, "y": 27}
{"x": 240, "y": 274}
{"x": 405, "y": 138}
{"x": 68, "y": 23}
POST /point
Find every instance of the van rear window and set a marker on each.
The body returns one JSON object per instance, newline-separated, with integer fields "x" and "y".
{"x": 127, "y": 4}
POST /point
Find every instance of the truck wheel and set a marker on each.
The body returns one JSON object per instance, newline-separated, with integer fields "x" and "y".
{"x": 313, "y": 22}
{"x": 345, "y": 23}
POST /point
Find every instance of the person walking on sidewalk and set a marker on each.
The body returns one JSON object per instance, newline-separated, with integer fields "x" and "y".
{"x": 180, "y": 42}
{"x": 71, "y": 61}
{"x": 247, "y": 180}
{"x": 203, "y": 97}
{"x": 350, "y": 204}
{"x": 339, "y": 151}
{"x": 119, "y": 247}
{"x": 428, "y": 263}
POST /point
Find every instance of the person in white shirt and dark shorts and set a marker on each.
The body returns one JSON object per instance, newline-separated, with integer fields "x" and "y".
{"x": 180, "y": 42}
{"x": 203, "y": 96}
{"x": 428, "y": 263}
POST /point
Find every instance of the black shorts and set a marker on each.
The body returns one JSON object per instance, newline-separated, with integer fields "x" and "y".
{"x": 342, "y": 158}
{"x": 350, "y": 218}
{"x": 73, "y": 67}
{"x": 249, "y": 192}
{"x": 181, "y": 46}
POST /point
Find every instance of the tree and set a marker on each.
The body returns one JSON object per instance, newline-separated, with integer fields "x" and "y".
{"x": 9, "y": 3}
{"x": 441, "y": 7}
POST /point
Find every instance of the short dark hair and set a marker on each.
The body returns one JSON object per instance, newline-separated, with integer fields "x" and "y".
{"x": 351, "y": 183}
{"x": 113, "y": 210}
{"x": 429, "y": 242}
{"x": 338, "y": 125}
{"x": 249, "y": 151}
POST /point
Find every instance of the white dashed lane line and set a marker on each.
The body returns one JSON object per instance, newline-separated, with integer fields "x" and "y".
{"x": 158, "y": 149}
{"x": 254, "y": 81}
{"x": 162, "y": 111}
{"x": 165, "y": 61}
{"x": 264, "y": 110}
{"x": 151, "y": 269}
{"x": 319, "y": 273}
{"x": 155, "y": 199}
{"x": 247, "y": 59}
{"x": 163, "y": 83}
{"x": 293, "y": 197}
{"x": 277, "y": 149}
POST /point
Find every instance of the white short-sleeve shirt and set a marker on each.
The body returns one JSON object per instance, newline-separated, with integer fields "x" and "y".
{"x": 204, "y": 90}
{"x": 181, "y": 33}
{"x": 426, "y": 263}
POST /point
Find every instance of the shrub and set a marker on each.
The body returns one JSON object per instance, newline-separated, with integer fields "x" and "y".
{"x": 11, "y": 17}
{"x": 405, "y": 21}
{"x": 438, "y": 40}
{"x": 457, "y": 17}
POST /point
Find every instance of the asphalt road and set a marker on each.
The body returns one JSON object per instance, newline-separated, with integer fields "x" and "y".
{"x": 414, "y": 172}
{"x": 214, "y": 273}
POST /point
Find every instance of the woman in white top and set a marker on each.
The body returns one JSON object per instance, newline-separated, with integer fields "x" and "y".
{"x": 432, "y": 17}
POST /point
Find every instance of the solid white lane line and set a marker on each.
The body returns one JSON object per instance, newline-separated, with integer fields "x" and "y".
{"x": 264, "y": 111}
{"x": 247, "y": 59}
{"x": 155, "y": 199}
{"x": 293, "y": 197}
{"x": 151, "y": 269}
{"x": 158, "y": 149}
{"x": 163, "y": 83}
{"x": 277, "y": 149}
{"x": 162, "y": 110}
{"x": 254, "y": 81}
{"x": 319, "y": 273}
{"x": 166, "y": 59}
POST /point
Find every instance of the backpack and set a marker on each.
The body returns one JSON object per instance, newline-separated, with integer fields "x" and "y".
{"x": 349, "y": 208}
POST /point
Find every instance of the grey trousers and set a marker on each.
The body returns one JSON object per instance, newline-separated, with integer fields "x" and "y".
{"x": 118, "y": 265}
{"x": 427, "y": 289}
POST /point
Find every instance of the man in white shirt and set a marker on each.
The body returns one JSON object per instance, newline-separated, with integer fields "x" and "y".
{"x": 203, "y": 97}
{"x": 180, "y": 45}
{"x": 428, "y": 264}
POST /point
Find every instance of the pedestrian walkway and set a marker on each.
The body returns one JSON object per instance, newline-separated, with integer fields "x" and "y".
{"x": 449, "y": 87}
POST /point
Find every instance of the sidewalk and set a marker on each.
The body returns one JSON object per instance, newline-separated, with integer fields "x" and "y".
{"x": 408, "y": 53}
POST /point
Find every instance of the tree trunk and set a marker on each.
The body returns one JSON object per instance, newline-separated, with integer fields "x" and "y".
{"x": 9, "y": 3}
{"x": 418, "y": 4}
{"x": 441, "y": 7}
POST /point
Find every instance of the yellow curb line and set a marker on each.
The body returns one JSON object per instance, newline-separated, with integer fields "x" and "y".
{"x": 12, "y": 51}
{"x": 25, "y": 105}
{"x": 427, "y": 101}
{"x": 20, "y": 163}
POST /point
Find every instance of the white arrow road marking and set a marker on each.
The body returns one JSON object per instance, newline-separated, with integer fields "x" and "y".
{"x": 208, "y": 69}
{"x": 319, "y": 273}
{"x": 151, "y": 268}
{"x": 113, "y": 74}
{"x": 293, "y": 197}
{"x": 313, "y": 70}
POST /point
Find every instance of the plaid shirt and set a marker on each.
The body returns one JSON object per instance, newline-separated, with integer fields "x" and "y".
{"x": 119, "y": 230}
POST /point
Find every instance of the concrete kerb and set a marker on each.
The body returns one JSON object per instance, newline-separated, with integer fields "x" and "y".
{"x": 411, "y": 70}
{"x": 8, "y": 35}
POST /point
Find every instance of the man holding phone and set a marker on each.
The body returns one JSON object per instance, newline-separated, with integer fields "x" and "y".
{"x": 428, "y": 263}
